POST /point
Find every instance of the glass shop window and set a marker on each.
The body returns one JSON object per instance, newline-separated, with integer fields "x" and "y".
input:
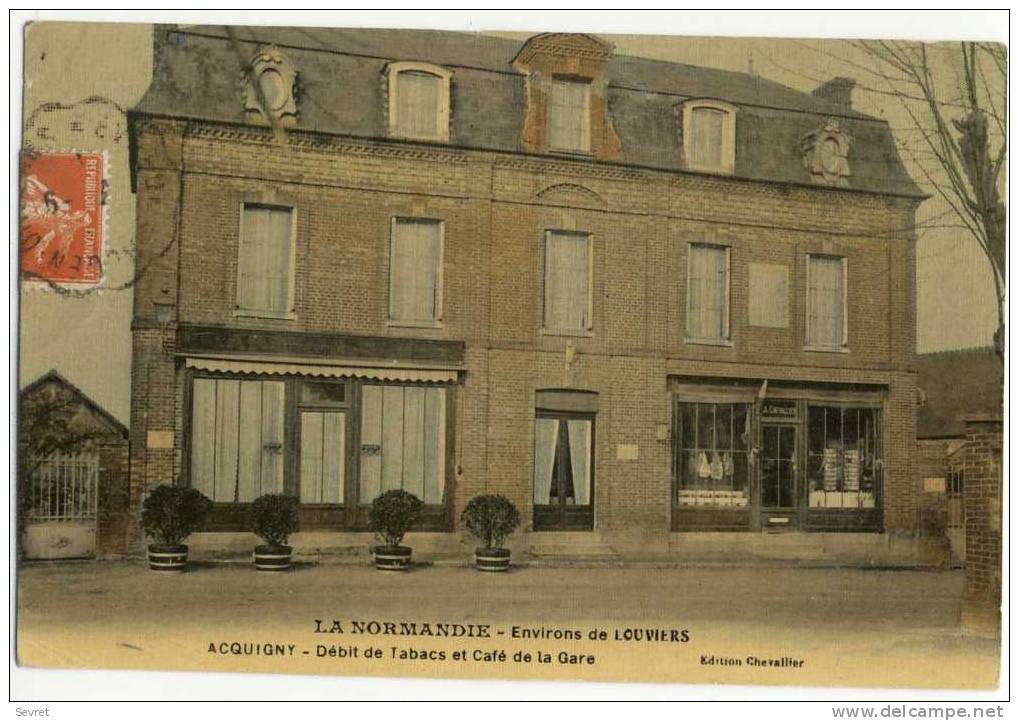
{"x": 712, "y": 465}
{"x": 843, "y": 457}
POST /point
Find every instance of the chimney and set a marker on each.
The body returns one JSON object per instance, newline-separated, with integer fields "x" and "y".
{"x": 838, "y": 91}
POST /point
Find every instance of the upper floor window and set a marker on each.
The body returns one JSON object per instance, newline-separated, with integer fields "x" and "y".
{"x": 707, "y": 293}
{"x": 265, "y": 260}
{"x": 826, "y": 302}
{"x": 419, "y": 101}
{"x": 709, "y": 136}
{"x": 569, "y": 115}
{"x": 567, "y": 282}
{"x": 415, "y": 271}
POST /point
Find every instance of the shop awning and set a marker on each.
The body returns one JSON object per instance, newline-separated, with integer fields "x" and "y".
{"x": 377, "y": 372}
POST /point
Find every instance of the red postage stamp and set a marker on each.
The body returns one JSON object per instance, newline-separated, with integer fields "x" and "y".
{"x": 62, "y": 217}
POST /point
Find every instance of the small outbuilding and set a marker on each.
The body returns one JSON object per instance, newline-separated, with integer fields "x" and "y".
{"x": 72, "y": 474}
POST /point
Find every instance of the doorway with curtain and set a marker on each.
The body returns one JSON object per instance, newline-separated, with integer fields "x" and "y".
{"x": 563, "y": 471}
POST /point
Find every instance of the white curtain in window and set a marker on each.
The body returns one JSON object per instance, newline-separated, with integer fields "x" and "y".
{"x": 417, "y": 104}
{"x": 580, "y": 459}
{"x": 567, "y": 281}
{"x": 707, "y": 129}
{"x": 546, "y": 435}
{"x": 263, "y": 277}
{"x": 707, "y": 299}
{"x": 569, "y": 111}
{"x": 236, "y": 438}
{"x": 414, "y": 271}
{"x": 825, "y": 322}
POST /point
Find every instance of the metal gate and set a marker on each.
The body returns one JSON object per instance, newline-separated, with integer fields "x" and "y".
{"x": 60, "y": 521}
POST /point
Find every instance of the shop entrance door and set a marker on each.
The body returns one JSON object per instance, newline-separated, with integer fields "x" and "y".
{"x": 563, "y": 472}
{"x": 778, "y": 476}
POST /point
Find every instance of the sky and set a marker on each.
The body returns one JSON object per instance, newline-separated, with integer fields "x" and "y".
{"x": 68, "y": 64}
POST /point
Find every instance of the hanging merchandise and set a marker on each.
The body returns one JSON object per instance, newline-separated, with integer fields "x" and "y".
{"x": 703, "y": 467}
{"x": 727, "y": 468}
{"x": 717, "y": 470}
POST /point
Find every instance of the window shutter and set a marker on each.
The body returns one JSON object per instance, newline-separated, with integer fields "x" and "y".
{"x": 826, "y": 314}
{"x": 708, "y": 293}
{"x": 567, "y": 281}
{"x": 227, "y": 411}
{"x": 417, "y": 98}
{"x": 707, "y": 130}
{"x": 434, "y": 444}
{"x": 263, "y": 275}
{"x": 203, "y": 436}
{"x": 371, "y": 442}
{"x": 414, "y": 271}
{"x": 569, "y": 110}
{"x": 272, "y": 437}
{"x": 249, "y": 444}
{"x": 408, "y": 423}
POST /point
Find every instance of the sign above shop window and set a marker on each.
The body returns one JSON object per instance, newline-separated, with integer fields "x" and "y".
{"x": 779, "y": 409}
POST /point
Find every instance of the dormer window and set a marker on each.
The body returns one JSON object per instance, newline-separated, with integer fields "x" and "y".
{"x": 709, "y": 136}
{"x": 419, "y": 101}
{"x": 569, "y": 115}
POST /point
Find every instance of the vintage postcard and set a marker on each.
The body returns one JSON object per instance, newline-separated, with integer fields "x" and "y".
{"x": 559, "y": 355}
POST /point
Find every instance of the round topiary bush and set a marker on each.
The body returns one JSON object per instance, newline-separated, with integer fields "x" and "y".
{"x": 171, "y": 513}
{"x": 491, "y": 518}
{"x": 274, "y": 518}
{"x": 394, "y": 513}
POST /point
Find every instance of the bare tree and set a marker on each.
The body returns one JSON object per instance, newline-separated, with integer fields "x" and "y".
{"x": 955, "y": 95}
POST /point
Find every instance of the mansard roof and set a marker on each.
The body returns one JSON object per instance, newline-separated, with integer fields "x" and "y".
{"x": 198, "y": 71}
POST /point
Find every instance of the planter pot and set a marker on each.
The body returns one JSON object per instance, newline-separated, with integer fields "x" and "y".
{"x": 392, "y": 558}
{"x": 492, "y": 559}
{"x": 272, "y": 558}
{"x": 168, "y": 559}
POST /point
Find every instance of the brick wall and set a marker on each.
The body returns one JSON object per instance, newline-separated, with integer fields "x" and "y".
{"x": 982, "y": 498}
{"x": 495, "y": 209}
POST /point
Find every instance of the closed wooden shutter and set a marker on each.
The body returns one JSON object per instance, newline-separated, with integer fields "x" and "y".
{"x": 203, "y": 436}
{"x": 708, "y": 293}
{"x": 825, "y": 302}
{"x": 707, "y": 127}
{"x": 323, "y": 457}
{"x": 403, "y": 441}
{"x": 417, "y": 104}
{"x": 263, "y": 275}
{"x": 414, "y": 271}
{"x": 236, "y": 438}
{"x": 569, "y": 111}
{"x": 567, "y": 281}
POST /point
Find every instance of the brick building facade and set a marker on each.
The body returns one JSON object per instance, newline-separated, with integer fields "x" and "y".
{"x": 642, "y": 300}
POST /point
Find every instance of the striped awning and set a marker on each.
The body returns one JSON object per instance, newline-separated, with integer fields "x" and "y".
{"x": 377, "y": 373}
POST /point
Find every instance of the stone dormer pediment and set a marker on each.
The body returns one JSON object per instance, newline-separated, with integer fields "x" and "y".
{"x": 578, "y": 49}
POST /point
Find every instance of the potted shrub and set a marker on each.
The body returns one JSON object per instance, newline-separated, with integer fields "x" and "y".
{"x": 392, "y": 514}
{"x": 273, "y": 519}
{"x": 491, "y": 518}
{"x": 169, "y": 515}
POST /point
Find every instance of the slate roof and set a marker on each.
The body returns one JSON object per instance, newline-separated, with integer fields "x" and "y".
{"x": 96, "y": 411}
{"x": 954, "y": 385}
{"x": 197, "y": 74}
